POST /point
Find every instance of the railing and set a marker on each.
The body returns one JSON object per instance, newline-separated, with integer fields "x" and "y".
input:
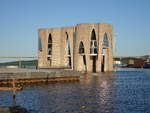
{"x": 17, "y": 57}
{"x": 19, "y": 60}
{"x": 93, "y": 48}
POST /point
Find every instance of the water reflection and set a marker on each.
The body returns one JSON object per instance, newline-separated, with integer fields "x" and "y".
{"x": 18, "y": 109}
{"x": 104, "y": 97}
{"x": 126, "y": 91}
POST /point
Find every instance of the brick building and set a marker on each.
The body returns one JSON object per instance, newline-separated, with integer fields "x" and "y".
{"x": 83, "y": 47}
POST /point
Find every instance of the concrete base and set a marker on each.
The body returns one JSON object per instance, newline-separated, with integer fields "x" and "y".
{"x": 4, "y": 110}
{"x": 33, "y": 75}
{"x": 13, "y": 109}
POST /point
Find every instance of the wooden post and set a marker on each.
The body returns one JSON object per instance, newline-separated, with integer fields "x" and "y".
{"x": 14, "y": 92}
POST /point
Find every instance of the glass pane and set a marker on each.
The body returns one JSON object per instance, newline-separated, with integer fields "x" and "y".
{"x": 50, "y": 39}
{"x": 95, "y": 43}
{"x": 49, "y": 52}
{"x": 93, "y": 50}
{"x": 49, "y": 45}
{"x": 105, "y": 41}
{"x": 81, "y": 48}
{"x": 91, "y": 43}
{"x": 69, "y": 53}
{"x": 40, "y": 45}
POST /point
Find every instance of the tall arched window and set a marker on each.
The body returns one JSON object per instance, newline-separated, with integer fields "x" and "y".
{"x": 50, "y": 45}
{"x": 105, "y": 41}
{"x": 93, "y": 43}
{"x": 68, "y": 45}
{"x": 81, "y": 48}
{"x": 68, "y": 51}
{"x": 40, "y": 44}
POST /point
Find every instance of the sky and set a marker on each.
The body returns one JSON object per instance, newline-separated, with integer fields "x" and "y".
{"x": 21, "y": 19}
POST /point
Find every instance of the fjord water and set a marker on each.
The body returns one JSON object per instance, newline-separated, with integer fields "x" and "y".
{"x": 122, "y": 91}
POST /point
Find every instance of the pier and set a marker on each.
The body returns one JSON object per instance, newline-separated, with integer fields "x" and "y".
{"x": 34, "y": 75}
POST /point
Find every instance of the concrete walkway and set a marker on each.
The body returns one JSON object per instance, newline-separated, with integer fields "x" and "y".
{"x": 32, "y": 74}
{"x": 4, "y": 110}
{"x": 16, "y": 70}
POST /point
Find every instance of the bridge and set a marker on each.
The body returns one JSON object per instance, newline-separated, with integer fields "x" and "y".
{"x": 19, "y": 58}
{"x": 121, "y": 57}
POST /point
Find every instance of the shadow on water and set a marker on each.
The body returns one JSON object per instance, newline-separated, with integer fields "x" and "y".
{"x": 18, "y": 109}
{"x": 13, "y": 109}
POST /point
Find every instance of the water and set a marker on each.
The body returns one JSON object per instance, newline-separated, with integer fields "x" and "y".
{"x": 124, "y": 91}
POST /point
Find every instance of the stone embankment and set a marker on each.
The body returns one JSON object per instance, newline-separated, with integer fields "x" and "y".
{"x": 33, "y": 75}
{"x": 4, "y": 110}
{"x": 13, "y": 109}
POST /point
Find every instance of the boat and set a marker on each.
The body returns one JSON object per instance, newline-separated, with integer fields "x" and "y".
{"x": 146, "y": 65}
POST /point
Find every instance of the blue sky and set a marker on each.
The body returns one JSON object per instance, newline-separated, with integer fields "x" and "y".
{"x": 20, "y": 19}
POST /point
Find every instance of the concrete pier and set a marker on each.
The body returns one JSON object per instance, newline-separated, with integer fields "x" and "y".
{"x": 33, "y": 75}
{"x": 13, "y": 109}
{"x": 4, "y": 110}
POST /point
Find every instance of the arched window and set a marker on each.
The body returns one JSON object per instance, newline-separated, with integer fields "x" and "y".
{"x": 50, "y": 45}
{"x": 105, "y": 41}
{"x": 81, "y": 48}
{"x": 93, "y": 35}
{"x": 40, "y": 44}
{"x": 93, "y": 43}
{"x": 66, "y": 35}
{"x": 68, "y": 45}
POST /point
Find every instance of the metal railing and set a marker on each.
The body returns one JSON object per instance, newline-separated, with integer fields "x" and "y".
{"x": 18, "y": 59}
